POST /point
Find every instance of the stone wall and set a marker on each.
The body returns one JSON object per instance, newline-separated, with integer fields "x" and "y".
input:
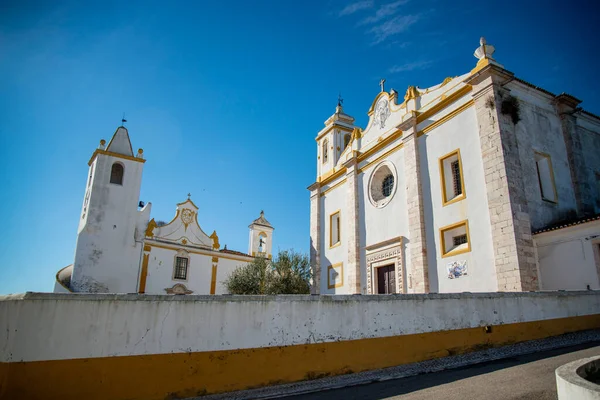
{"x": 74, "y": 346}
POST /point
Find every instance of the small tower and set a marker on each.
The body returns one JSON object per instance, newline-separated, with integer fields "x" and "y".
{"x": 333, "y": 139}
{"x": 261, "y": 237}
{"x": 110, "y": 230}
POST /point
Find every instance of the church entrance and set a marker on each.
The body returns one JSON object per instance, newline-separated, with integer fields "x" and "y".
{"x": 386, "y": 282}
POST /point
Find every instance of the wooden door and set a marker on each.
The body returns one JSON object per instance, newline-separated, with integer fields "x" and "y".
{"x": 386, "y": 279}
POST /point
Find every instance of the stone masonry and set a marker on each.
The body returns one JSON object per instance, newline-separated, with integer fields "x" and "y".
{"x": 315, "y": 236}
{"x": 566, "y": 107}
{"x": 352, "y": 218}
{"x": 514, "y": 255}
{"x": 418, "y": 279}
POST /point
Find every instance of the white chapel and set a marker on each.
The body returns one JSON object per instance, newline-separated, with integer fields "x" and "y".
{"x": 120, "y": 249}
{"x": 481, "y": 183}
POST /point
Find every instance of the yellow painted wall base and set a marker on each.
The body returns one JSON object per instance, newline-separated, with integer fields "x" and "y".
{"x": 173, "y": 376}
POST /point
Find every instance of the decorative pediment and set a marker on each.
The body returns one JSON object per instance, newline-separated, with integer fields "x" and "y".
{"x": 178, "y": 288}
{"x": 183, "y": 229}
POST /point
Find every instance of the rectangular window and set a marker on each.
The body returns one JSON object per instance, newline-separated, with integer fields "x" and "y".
{"x": 334, "y": 229}
{"x": 181, "y": 264}
{"x": 456, "y": 178}
{"x": 335, "y": 276}
{"x": 455, "y": 239}
{"x": 460, "y": 239}
{"x": 545, "y": 175}
{"x": 452, "y": 178}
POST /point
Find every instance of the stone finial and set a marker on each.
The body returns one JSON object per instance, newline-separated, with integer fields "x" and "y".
{"x": 411, "y": 93}
{"x": 102, "y": 144}
{"x": 484, "y": 50}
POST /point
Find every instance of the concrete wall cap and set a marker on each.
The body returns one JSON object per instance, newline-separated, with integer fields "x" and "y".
{"x": 294, "y": 298}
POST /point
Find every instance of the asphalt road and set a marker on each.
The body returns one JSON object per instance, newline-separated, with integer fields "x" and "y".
{"x": 527, "y": 377}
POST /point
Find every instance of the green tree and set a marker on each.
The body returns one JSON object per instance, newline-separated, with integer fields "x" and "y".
{"x": 288, "y": 273}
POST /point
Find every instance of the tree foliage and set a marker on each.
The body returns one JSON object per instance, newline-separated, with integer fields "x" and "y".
{"x": 288, "y": 273}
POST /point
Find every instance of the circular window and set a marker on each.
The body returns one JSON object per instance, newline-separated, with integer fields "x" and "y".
{"x": 382, "y": 185}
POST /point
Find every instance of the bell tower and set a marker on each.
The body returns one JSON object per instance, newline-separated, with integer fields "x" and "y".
{"x": 261, "y": 237}
{"x": 333, "y": 140}
{"x": 110, "y": 233}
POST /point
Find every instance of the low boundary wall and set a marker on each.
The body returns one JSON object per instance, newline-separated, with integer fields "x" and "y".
{"x": 73, "y": 346}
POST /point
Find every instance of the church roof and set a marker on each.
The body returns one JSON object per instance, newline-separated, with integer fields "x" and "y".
{"x": 568, "y": 223}
{"x": 262, "y": 221}
{"x": 234, "y": 252}
{"x": 120, "y": 142}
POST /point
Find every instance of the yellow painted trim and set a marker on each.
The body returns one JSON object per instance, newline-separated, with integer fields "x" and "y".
{"x": 324, "y": 147}
{"x": 329, "y": 173}
{"x": 381, "y": 157}
{"x": 451, "y": 99}
{"x": 331, "y": 244}
{"x": 546, "y": 155}
{"x": 445, "y": 118}
{"x": 213, "y": 279}
{"x": 330, "y": 178}
{"x": 443, "y": 241}
{"x": 484, "y": 62}
{"x": 341, "y": 282}
{"x": 329, "y": 189}
{"x": 59, "y": 282}
{"x": 340, "y": 127}
{"x": 460, "y": 197}
{"x": 202, "y": 252}
{"x": 191, "y": 374}
{"x": 380, "y": 145}
{"x": 188, "y": 201}
{"x": 380, "y": 95}
{"x": 116, "y": 155}
{"x": 144, "y": 272}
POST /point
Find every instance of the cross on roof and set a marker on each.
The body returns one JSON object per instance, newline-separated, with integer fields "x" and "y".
{"x": 382, "y": 84}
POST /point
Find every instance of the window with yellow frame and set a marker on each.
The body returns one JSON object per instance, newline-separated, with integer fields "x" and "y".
{"x": 335, "y": 229}
{"x": 452, "y": 178}
{"x": 455, "y": 239}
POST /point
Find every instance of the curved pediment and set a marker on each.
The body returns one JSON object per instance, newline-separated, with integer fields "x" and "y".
{"x": 184, "y": 228}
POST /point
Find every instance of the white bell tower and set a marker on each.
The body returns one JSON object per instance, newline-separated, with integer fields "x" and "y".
{"x": 110, "y": 234}
{"x": 261, "y": 237}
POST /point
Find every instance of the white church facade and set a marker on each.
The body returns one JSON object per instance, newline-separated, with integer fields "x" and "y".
{"x": 121, "y": 250}
{"x": 482, "y": 183}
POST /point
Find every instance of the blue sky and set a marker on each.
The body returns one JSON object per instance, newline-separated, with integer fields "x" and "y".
{"x": 226, "y": 99}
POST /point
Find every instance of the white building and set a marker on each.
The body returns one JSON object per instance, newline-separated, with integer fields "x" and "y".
{"x": 458, "y": 187}
{"x": 121, "y": 250}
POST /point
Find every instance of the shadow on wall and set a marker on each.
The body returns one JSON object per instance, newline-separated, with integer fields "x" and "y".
{"x": 428, "y": 217}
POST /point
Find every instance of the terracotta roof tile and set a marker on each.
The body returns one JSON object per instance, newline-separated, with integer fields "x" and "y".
{"x": 567, "y": 224}
{"x": 237, "y": 253}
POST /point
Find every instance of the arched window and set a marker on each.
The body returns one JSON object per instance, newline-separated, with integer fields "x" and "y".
{"x": 325, "y": 150}
{"x": 116, "y": 174}
{"x": 346, "y": 140}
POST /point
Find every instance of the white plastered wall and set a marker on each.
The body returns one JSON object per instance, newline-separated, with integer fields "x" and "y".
{"x": 107, "y": 253}
{"x": 460, "y": 132}
{"x": 377, "y": 225}
{"x": 569, "y": 258}
{"x": 540, "y": 130}
{"x": 333, "y": 201}
{"x": 62, "y": 326}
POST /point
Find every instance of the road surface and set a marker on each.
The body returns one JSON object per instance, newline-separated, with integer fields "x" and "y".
{"x": 527, "y": 377}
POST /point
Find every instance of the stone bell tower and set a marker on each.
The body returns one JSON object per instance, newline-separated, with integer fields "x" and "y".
{"x": 261, "y": 237}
